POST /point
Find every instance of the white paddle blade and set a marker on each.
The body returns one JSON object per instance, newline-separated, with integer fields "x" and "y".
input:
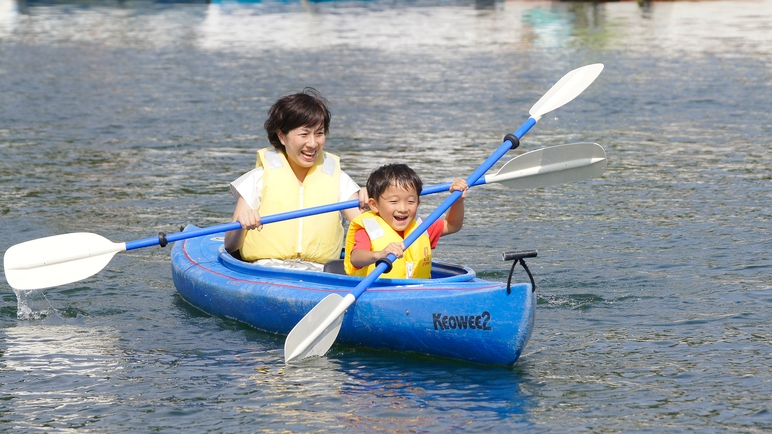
{"x": 57, "y": 260}
{"x": 566, "y": 89}
{"x": 551, "y": 166}
{"x": 317, "y": 331}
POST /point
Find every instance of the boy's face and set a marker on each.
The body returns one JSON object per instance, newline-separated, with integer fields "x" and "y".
{"x": 396, "y": 206}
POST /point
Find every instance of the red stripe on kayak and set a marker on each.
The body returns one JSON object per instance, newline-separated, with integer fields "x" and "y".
{"x": 304, "y": 288}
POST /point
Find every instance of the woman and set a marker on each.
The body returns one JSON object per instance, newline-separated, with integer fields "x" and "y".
{"x": 296, "y": 173}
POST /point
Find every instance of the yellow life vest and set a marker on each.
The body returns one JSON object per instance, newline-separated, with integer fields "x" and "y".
{"x": 316, "y": 238}
{"x": 417, "y": 259}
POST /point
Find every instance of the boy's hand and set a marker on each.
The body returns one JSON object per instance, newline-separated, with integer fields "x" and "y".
{"x": 459, "y": 184}
{"x": 398, "y": 249}
{"x": 362, "y": 258}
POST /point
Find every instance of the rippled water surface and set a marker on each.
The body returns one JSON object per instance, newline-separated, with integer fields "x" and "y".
{"x": 654, "y": 281}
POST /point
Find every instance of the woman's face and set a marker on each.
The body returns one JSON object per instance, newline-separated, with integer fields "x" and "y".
{"x": 303, "y": 146}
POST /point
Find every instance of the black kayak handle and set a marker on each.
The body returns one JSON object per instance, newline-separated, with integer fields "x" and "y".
{"x": 518, "y": 256}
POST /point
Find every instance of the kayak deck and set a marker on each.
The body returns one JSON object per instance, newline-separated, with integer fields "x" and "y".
{"x": 454, "y": 314}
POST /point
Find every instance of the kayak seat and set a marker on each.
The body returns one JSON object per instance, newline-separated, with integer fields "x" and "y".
{"x": 335, "y": 267}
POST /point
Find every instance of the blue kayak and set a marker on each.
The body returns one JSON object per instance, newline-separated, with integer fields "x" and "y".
{"x": 453, "y": 315}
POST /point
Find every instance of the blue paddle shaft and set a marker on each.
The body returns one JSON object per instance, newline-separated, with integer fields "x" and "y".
{"x": 476, "y": 178}
{"x": 273, "y": 218}
{"x": 147, "y": 242}
{"x": 444, "y": 206}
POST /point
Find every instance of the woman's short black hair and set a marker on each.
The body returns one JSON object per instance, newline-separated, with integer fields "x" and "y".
{"x": 303, "y": 109}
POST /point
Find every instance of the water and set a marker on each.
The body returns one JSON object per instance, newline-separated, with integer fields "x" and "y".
{"x": 130, "y": 118}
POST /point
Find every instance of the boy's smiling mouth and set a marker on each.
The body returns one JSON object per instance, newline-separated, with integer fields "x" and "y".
{"x": 401, "y": 219}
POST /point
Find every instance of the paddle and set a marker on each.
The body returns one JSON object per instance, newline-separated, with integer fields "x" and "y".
{"x": 67, "y": 258}
{"x": 316, "y": 332}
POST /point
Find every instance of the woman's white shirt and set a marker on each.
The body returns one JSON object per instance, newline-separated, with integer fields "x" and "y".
{"x": 249, "y": 186}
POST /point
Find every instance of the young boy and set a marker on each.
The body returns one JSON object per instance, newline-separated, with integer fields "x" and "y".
{"x": 394, "y": 192}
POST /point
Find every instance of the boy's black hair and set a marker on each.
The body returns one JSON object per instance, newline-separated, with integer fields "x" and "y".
{"x": 398, "y": 174}
{"x": 303, "y": 109}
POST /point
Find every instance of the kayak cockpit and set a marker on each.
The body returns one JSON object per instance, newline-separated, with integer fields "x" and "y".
{"x": 441, "y": 272}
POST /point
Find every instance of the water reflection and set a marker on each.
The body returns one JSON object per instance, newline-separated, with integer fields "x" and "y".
{"x": 550, "y": 27}
{"x": 47, "y": 347}
{"x": 391, "y": 26}
{"x": 8, "y": 12}
{"x": 404, "y": 395}
{"x": 489, "y": 25}
{"x": 60, "y": 372}
{"x": 114, "y": 24}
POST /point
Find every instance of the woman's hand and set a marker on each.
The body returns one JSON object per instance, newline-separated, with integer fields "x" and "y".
{"x": 250, "y": 219}
{"x": 363, "y": 199}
